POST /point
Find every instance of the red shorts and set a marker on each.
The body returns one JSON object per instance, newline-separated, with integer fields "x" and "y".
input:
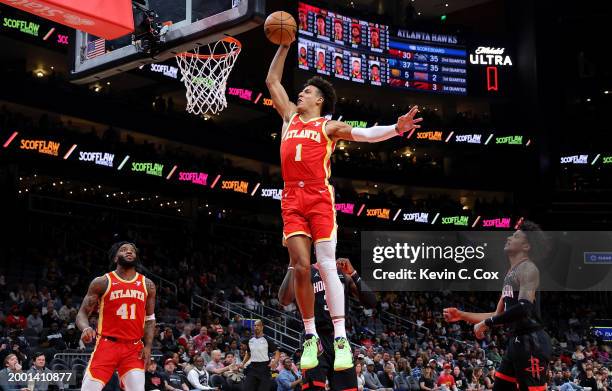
{"x": 308, "y": 209}
{"x": 109, "y": 356}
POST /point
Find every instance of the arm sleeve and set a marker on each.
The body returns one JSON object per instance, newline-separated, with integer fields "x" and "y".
{"x": 512, "y": 314}
{"x": 374, "y": 134}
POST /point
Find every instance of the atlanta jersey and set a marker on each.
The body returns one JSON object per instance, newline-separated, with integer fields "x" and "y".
{"x": 307, "y": 204}
{"x": 123, "y": 307}
{"x": 306, "y": 150}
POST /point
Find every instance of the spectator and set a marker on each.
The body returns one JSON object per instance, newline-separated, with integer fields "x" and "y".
{"x": 434, "y": 370}
{"x": 288, "y": 379}
{"x": 427, "y": 382}
{"x": 418, "y": 368}
{"x": 198, "y": 377}
{"x": 588, "y": 379}
{"x": 39, "y": 369}
{"x": 11, "y": 365}
{"x": 167, "y": 340}
{"x": 53, "y": 338}
{"x": 207, "y": 353}
{"x": 201, "y": 339}
{"x": 72, "y": 337}
{"x": 460, "y": 381}
{"x": 216, "y": 368}
{"x": 371, "y": 379}
{"x": 172, "y": 380}
{"x": 490, "y": 378}
{"x": 476, "y": 380}
{"x": 360, "y": 377}
{"x": 49, "y": 314}
{"x": 15, "y": 320}
{"x": 67, "y": 308}
{"x": 446, "y": 380}
{"x": 35, "y": 321}
{"x": 153, "y": 380}
{"x": 235, "y": 375}
{"x": 387, "y": 377}
{"x": 185, "y": 338}
{"x": 404, "y": 380}
{"x": 378, "y": 364}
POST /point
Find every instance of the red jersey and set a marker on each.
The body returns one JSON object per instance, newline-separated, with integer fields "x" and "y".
{"x": 447, "y": 380}
{"x": 123, "y": 307}
{"x": 306, "y": 150}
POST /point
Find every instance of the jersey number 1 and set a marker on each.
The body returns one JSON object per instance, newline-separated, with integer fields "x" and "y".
{"x": 298, "y": 153}
{"x": 123, "y": 311}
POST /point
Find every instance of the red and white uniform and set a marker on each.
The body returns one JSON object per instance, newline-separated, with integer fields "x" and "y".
{"x": 308, "y": 199}
{"x": 122, "y": 311}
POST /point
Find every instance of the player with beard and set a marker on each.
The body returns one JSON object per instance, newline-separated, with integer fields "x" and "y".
{"x": 529, "y": 350}
{"x": 126, "y": 304}
{"x": 314, "y": 379}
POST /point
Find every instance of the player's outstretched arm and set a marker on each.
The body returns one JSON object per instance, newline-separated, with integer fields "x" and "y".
{"x": 338, "y": 130}
{"x": 453, "y": 314}
{"x": 149, "y": 326}
{"x": 278, "y": 93}
{"x": 97, "y": 287}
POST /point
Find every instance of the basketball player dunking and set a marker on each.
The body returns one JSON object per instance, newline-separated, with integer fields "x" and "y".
{"x": 315, "y": 378}
{"x": 307, "y": 204}
{"x": 126, "y": 305}
{"x": 528, "y": 354}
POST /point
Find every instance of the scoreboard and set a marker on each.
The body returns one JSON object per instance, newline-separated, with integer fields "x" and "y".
{"x": 368, "y": 53}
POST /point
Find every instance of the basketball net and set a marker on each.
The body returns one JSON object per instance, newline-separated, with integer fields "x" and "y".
{"x": 205, "y": 71}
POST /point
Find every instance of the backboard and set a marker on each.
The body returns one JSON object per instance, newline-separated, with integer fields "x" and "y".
{"x": 179, "y": 25}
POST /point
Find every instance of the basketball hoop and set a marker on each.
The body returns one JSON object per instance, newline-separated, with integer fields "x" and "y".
{"x": 205, "y": 74}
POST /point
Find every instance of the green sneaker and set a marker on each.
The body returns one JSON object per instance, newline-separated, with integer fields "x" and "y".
{"x": 310, "y": 353}
{"x": 343, "y": 355}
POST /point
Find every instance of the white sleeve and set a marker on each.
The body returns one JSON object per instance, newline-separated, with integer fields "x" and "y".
{"x": 374, "y": 134}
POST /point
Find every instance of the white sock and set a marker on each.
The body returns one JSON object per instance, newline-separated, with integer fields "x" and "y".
{"x": 339, "y": 328}
{"x": 334, "y": 291}
{"x": 309, "y": 326}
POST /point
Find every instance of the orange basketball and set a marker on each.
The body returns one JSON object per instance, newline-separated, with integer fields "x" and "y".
{"x": 280, "y": 28}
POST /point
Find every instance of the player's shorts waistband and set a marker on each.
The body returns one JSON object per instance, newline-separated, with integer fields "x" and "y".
{"x": 312, "y": 182}
{"x": 120, "y": 340}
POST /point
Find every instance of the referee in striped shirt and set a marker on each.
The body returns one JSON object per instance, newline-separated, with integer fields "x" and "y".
{"x": 259, "y": 350}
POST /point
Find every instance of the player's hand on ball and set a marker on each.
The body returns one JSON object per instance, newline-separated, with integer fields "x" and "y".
{"x": 88, "y": 335}
{"x": 480, "y": 329}
{"x": 345, "y": 266}
{"x": 407, "y": 122}
{"x": 145, "y": 354}
{"x": 452, "y": 314}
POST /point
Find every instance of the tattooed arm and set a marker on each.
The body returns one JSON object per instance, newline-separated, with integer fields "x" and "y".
{"x": 149, "y": 326}
{"x": 96, "y": 289}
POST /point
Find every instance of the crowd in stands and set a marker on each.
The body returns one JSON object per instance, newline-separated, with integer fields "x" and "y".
{"x": 403, "y": 344}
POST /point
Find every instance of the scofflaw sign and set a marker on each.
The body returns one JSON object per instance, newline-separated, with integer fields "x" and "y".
{"x": 102, "y": 18}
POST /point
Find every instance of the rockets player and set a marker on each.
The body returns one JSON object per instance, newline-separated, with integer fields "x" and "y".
{"x": 314, "y": 379}
{"x": 525, "y": 362}
{"x": 126, "y": 305}
{"x": 307, "y": 205}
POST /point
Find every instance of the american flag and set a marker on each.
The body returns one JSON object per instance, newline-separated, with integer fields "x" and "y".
{"x": 96, "y": 48}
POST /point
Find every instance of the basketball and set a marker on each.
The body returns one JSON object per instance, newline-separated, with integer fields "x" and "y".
{"x": 280, "y": 28}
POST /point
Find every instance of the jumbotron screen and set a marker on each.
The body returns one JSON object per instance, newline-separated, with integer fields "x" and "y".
{"x": 364, "y": 52}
